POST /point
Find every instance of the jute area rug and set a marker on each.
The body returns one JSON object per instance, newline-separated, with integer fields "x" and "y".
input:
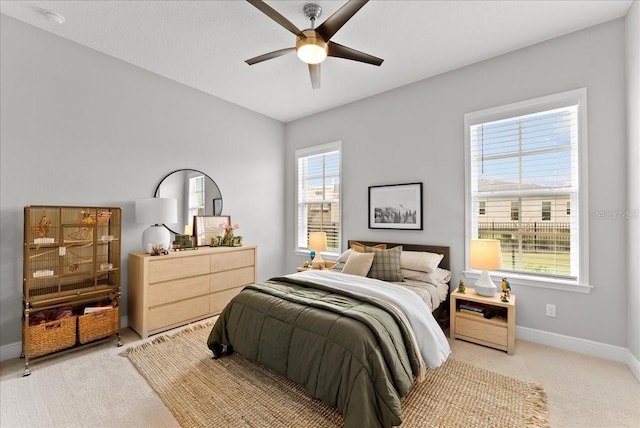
{"x": 232, "y": 392}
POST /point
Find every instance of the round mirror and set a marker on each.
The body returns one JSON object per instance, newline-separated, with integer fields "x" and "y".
{"x": 196, "y": 193}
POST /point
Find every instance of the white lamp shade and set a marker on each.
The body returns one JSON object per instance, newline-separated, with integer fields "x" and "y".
{"x": 317, "y": 243}
{"x": 156, "y": 210}
{"x": 485, "y": 254}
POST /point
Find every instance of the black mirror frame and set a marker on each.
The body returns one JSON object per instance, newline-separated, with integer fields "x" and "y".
{"x": 217, "y": 209}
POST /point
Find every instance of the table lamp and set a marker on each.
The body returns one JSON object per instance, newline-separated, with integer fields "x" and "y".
{"x": 156, "y": 212}
{"x": 485, "y": 254}
{"x": 317, "y": 243}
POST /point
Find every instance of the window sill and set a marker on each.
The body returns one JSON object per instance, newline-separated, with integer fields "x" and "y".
{"x": 531, "y": 281}
{"x": 325, "y": 256}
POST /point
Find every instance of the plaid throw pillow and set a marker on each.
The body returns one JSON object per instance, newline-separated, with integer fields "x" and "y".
{"x": 386, "y": 264}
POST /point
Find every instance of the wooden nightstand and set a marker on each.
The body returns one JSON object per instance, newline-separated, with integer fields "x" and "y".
{"x": 494, "y": 324}
{"x": 327, "y": 265}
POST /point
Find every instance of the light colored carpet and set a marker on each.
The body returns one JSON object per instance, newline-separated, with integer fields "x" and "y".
{"x": 96, "y": 387}
{"x": 233, "y": 392}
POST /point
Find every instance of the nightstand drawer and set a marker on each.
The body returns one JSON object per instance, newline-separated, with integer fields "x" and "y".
{"x": 479, "y": 330}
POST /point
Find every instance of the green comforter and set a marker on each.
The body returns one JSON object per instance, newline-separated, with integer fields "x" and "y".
{"x": 346, "y": 350}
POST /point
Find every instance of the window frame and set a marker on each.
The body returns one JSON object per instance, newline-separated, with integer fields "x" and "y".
{"x": 536, "y": 105}
{"x": 313, "y": 151}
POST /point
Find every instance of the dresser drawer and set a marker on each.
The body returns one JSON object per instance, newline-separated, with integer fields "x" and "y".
{"x": 220, "y": 299}
{"x": 233, "y": 260}
{"x": 491, "y": 333}
{"x": 178, "y": 312}
{"x": 179, "y": 267}
{"x": 179, "y": 289}
{"x": 232, "y": 278}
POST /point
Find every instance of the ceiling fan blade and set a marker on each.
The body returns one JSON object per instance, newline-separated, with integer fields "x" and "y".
{"x": 314, "y": 72}
{"x": 270, "y": 55}
{"x": 271, "y": 13}
{"x": 340, "y": 51}
{"x": 335, "y": 22}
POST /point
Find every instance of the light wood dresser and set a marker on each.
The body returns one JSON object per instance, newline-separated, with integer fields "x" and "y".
{"x": 175, "y": 289}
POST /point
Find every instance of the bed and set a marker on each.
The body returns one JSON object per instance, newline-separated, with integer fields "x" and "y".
{"x": 354, "y": 342}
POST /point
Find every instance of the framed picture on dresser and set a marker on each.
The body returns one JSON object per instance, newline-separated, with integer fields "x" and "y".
{"x": 396, "y": 206}
{"x": 207, "y": 228}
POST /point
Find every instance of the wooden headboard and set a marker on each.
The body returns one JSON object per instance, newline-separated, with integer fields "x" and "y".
{"x": 444, "y": 264}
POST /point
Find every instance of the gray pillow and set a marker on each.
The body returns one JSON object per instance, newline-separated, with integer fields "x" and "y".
{"x": 386, "y": 264}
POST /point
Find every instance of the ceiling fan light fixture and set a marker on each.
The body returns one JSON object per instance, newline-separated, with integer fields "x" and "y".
{"x": 312, "y": 54}
{"x": 312, "y": 49}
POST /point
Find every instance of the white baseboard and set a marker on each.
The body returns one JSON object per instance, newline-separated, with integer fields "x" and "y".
{"x": 10, "y": 351}
{"x": 582, "y": 346}
{"x": 634, "y": 365}
{"x": 13, "y": 350}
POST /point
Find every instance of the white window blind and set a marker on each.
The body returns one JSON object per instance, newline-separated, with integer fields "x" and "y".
{"x": 524, "y": 171}
{"x": 318, "y": 195}
{"x": 196, "y": 196}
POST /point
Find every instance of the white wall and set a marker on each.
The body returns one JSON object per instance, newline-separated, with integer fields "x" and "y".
{"x": 415, "y": 133}
{"x": 81, "y": 128}
{"x": 633, "y": 130}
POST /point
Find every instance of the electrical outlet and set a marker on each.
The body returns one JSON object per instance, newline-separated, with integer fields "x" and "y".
{"x": 551, "y": 310}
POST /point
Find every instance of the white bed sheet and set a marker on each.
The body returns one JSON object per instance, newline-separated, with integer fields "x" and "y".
{"x": 432, "y": 294}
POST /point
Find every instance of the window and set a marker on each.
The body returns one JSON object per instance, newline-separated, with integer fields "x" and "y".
{"x": 524, "y": 164}
{"x": 318, "y": 195}
{"x": 546, "y": 211}
{"x": 515, "y": 211}
{"x": 196, "y": 196}
{"x": 482, "y": 210}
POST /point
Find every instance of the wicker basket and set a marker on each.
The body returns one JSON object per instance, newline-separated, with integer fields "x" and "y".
{"x": 97, "y": 325}
{"x": 51, "y": 336}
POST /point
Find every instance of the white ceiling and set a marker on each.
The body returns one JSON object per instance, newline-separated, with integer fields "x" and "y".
{"x": 203, "y": 44}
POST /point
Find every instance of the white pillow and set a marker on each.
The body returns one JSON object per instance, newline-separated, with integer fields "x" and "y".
{"x": 438, "y": 276}
{"x": 420, "y": 260}
{"x": 342, "y": 258}
{"x": 358, "y": 263}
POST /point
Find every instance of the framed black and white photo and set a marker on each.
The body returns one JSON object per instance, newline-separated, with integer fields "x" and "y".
{"x": 396, "y": 206}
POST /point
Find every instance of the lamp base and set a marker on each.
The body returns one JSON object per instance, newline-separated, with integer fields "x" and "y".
{"x": 317, "y": 262}
{"x": 484, "y": 286}
{"x": 156, "y": 235}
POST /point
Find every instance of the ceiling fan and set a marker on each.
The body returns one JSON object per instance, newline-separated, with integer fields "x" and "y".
{"x": 313, "y": 45}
